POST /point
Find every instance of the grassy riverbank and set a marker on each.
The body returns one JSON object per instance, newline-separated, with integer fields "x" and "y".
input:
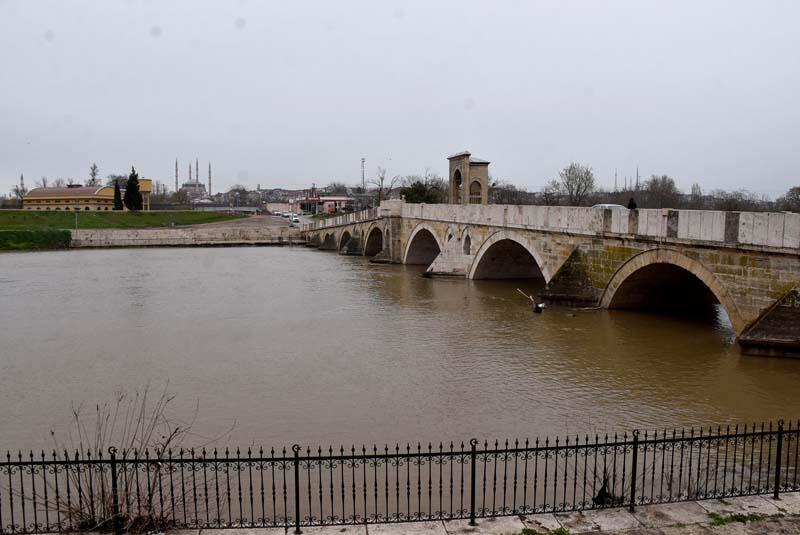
{"x": 28, "y": 220}
{"x": 26, "y": 240}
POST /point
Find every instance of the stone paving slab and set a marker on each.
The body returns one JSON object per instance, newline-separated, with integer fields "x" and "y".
{"x": 617, "y": 519}
{"x": 541, "y": 523}
{"x": 408, "y": 528}
{"x": 330, "y": 530}
{"x": 740, "y": 505}
{"x": 576, "y": 522}
{"x": 613, "y": 519}
{"x": 788, "y": 503}
{"x": 691, "y": 529}
{"x": 501, "y": 525}
{"x": 234, "y": 531}
{"x": 669, "y": 514}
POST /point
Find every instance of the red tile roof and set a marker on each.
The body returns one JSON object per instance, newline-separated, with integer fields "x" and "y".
{"x": 46, "y": 192}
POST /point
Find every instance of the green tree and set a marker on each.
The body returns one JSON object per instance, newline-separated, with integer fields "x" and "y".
{"x": 419, "y": 192}
{"x": 427, "y": 188}
{"x": 117, "y": 197}
{"x": 133, "y": 197}
{"x": 791, "y": 201}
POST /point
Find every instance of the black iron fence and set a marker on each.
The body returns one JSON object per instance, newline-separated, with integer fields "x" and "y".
{"x": 144, "y": 490}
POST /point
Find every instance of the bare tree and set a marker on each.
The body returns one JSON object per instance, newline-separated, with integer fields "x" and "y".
{"x": 577, "y": 182}
{"x": 382, "y": 187}
{"x": 18, "y": 192}
{"x": 59, "y": 183}
{"x": 335, "y": 188}
{"x": 93, "y": 179}
{"x": 501, "y": 192}
{"x": 42, "y": 182}
{"x": 661, "y": 192}
{"x": 551, "y": 193}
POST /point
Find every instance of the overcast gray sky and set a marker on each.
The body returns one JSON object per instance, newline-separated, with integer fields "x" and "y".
{"x": 288, "y": 93}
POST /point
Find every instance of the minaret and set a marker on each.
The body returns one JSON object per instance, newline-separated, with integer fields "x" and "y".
{"x": 176, "y": 175}
{"x": 190, "y": 172}
{"x": 196, "y": 171}
{"x": 209, "y": 178}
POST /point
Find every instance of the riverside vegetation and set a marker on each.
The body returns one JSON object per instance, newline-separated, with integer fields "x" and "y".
{"x": 25, "y": 230}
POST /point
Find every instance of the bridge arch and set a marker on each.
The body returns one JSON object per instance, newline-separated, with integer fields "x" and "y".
{"x": 374, "y": 242}
{"x": 653, "y": 276}
{"x": 423, "y": 246}
{"x": 343, "y": 239}
{"x": 328, "y": 241}
{"x": 508, "y": 254}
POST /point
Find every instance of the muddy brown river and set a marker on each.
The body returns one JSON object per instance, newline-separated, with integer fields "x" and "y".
{"x": 272, "y": 346}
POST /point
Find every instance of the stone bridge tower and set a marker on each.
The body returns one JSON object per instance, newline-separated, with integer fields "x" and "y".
{"x": 469, "y": 179}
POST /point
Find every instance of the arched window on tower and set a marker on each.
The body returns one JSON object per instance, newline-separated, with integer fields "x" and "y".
{"x": 456, "y": 187}
{"x": 475, "y": 193}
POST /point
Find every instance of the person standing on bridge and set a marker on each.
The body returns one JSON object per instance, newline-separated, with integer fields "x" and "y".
{"x": 631, "y": 204}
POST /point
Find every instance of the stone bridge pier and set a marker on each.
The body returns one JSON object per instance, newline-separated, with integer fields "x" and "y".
{"x": 662, "y": 260}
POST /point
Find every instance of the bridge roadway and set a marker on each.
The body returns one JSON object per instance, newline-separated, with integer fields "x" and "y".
{"x": 611, "y": 258}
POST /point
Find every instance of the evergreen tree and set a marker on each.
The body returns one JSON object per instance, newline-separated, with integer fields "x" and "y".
{"x": 133, "y": 197}
{"x": 117, "y": 197}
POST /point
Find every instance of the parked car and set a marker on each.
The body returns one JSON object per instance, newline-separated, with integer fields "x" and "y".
{"x": 295, "y": 219}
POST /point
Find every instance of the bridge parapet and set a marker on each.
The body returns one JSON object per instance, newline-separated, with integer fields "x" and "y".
{"x": 369, "y": 214}
{"x": 774, "y": 229}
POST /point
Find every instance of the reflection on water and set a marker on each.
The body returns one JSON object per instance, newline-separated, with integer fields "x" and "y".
{"x": 297, "y": 345}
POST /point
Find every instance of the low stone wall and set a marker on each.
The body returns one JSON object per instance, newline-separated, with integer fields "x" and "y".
{"x": 185, "y": 237}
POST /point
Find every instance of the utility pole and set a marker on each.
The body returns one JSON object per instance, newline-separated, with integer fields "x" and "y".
{"x": 196, "y": 171}
{"x": 637, "y": 178}
{"x": 209, "y": 179}
{"x": 190, "y": 172}
{"x": 615, "y": 180}
{"x": 176, "y": 175}
{"x": 363, "y": 181}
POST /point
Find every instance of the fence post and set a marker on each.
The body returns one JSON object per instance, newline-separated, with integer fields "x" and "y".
{"x": 296, "y": 450}
{"x": 112, "y": 451}
{"x": 473, "y": 457}
{"x": 634, "y": 462}
{"x": 778, "y": 461}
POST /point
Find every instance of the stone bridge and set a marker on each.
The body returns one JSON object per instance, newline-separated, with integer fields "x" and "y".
{"x": 609, "y": 258}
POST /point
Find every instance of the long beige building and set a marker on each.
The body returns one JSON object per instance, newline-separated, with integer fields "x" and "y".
{"x": 81, "y": 198}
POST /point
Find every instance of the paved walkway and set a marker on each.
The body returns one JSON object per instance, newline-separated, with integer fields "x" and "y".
{"x": 689, "y": 518}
